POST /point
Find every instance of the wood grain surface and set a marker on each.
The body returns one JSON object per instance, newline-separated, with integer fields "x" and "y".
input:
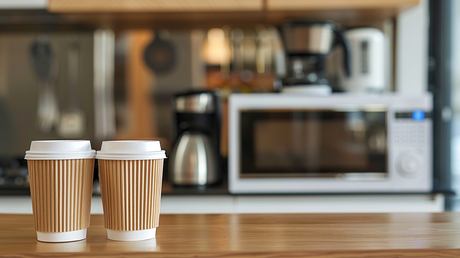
{"x": 152, "y": 5}
{"x": 191, "y": 14}
{"x": 337, "y": 4}
{"x": 255, "y": 235}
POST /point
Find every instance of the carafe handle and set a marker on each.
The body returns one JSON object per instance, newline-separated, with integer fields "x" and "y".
{"x": 340, "y": 39}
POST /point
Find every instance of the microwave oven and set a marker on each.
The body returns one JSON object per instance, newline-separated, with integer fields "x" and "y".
{"x": 341, "y": 143}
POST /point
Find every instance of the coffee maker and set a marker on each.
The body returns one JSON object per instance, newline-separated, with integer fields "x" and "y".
{"x": 306, "y": 45}
{"x": 195, "y": 158}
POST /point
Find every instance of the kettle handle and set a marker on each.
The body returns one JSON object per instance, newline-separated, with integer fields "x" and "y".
{"x": 340, "y": 39}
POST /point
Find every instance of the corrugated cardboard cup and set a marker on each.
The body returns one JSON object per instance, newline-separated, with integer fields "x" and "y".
{"x": 130, "y": 174}
{"x": 61, "y": 182}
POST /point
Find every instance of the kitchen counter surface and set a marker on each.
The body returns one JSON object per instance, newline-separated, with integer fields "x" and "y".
{"x": 255, "y": 235}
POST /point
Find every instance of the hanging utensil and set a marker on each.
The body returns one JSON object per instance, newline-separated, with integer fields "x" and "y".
{"x": 263, "y": 58}
{"x": 237, "y": 36}
{"x": 72, "y": 123}
{"x": 42, "y": 60}
{"x": 160, "y": 55}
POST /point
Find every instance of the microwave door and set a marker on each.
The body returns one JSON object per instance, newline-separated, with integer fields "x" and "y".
{"x": 313, "y": 143}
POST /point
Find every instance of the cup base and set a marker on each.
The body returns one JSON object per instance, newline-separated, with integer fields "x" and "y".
{"x": 61, "y": 236}
{"x": 135, "y": 235}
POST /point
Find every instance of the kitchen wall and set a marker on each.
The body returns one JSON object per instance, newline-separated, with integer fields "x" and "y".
{"x": 412, "y": 49}
{"x": 456, "y": 103}
{"x": 143, "y": 107}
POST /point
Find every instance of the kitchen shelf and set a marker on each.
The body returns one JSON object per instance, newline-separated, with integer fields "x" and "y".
{"x": 188, "y": 14}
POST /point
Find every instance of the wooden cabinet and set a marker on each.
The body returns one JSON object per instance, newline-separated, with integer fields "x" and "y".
{"x": 220, "y": 5}
{"x": 187, "y": 14}
{"x": 153, "y": 5}
{"x": 296, "y": 5}
{"x": 346, "y": 12}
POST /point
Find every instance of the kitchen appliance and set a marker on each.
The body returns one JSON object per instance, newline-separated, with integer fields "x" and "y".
{"x": 347, "y": 143}
{"x": 306, "y": 45}
{"x": 367, "y": 48}
{"x": 35, "y": 71}
{"x": 195, "y": 158}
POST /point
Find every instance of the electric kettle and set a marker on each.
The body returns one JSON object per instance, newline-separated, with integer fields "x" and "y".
{"x": 368, "y": 61}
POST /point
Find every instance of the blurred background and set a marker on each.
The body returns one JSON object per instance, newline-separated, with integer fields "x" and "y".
{"x": 168, "y": 70}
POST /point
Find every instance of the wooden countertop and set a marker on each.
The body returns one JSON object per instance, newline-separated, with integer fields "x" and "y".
{"x": 255, "y": 235}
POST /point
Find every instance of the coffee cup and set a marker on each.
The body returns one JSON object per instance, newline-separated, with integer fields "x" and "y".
{"x": 130, "y": 175}
{"x": 61, "y": 181}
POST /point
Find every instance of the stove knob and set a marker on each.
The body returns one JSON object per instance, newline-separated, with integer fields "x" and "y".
{"x": 409, "y": 164}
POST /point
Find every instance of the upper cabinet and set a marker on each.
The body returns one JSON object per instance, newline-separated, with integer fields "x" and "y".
{"x": 210, "y": 13}
{"x": 296, "y": 5}
{"x": 346, "y": 12}
{"x": 154, "y": 5}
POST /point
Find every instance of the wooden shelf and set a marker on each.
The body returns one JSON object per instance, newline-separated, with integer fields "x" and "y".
{"x": 189, "y": 14}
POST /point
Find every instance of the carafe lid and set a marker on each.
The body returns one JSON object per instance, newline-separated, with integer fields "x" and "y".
{"x": 195, "y": 102}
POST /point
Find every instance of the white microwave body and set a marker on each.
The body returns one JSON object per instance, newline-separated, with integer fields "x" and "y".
{"x": 342, "y": 143}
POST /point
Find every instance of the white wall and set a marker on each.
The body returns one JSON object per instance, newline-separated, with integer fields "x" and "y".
{"x": 412, "y": 49}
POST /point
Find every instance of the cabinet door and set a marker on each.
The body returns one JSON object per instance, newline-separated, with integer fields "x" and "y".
{"x": 153, "y": 5}
{"x": 293, "y": 5}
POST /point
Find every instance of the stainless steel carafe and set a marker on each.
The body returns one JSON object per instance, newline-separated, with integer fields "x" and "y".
{"x": 195, "y": 157}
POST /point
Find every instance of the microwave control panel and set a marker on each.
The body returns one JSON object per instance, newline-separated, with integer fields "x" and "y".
{"x": 410, "y": 131}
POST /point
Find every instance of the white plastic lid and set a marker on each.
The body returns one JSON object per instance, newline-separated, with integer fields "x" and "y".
{"x": 60, "y": 149}
{"x": 130, "y": 150}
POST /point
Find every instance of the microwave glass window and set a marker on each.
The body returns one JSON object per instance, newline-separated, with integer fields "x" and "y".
{"x": 309, "y": 142}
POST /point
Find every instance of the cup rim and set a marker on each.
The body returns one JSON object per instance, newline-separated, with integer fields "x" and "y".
{"x": 31, "y": 155}
{"x": 57, "y": 152}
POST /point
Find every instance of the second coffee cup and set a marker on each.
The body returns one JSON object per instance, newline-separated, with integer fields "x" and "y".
{"x": 130, "y": 174}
